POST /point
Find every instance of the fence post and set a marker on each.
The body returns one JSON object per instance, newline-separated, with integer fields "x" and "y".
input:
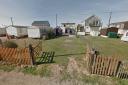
{"x": 31, "y": 52}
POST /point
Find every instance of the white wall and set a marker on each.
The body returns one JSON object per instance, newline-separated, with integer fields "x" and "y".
{"x": 87, "y": 29}
{"x": 80, "y": 33}
{"x": 94, "y": 31}
{"x": 34, "y": 33}
{"x": 121, "y": 31}
{"x": 125, "y": 36}
{"x": 18, "y": 32}
{"x": 22, "y": 31}
{"x": 12, "y": 31}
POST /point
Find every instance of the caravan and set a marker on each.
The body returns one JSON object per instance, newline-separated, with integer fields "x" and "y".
{"x": 125, "y": 36}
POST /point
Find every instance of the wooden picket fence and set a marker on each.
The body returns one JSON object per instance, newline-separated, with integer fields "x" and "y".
{"x": 16, "y": 56}
{"x": 123, "y": 71}
{"x": 107, "y": 66}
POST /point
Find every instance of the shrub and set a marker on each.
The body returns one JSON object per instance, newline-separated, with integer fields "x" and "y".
{"x": 50, "y": 34}
{"x": 10, "y": 44}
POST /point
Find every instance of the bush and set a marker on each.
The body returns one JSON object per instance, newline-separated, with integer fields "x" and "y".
{"x": 10, "y": 44}
{"x": 50, "y": 34}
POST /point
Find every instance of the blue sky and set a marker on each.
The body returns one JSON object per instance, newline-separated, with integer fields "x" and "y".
{"x": 24, "y": 12}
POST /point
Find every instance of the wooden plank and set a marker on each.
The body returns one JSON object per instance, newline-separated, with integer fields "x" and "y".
{"x": 108, "y": 67}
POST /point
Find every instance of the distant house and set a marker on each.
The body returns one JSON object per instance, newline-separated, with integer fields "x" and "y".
{"x": 92, "y": 25}
{"x": 41, "y": 24}
{"x": 68, "y": 28}
{"x": 17, "y": 31}
{"x": 123, "y": 26}
{"x": 80, "y": 30}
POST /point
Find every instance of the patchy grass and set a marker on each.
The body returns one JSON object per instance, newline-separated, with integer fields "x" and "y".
{"x": 29, "y": 70}
{"x": 65, "y": 47}
{"x": 109, "y": 46}
{"x": 43, "y": 71}
{"x": 7, "y": 68}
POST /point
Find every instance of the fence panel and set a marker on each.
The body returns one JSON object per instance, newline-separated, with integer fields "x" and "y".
{"x": 16, "y": 56}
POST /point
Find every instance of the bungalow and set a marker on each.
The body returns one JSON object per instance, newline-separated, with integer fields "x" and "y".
{"x": 123, "y": 27}
{"x": 92, "y": 25}
{"x": 68, "y": 28}
{"x": 17, "y": 31}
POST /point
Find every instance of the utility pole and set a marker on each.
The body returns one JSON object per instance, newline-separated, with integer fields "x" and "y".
{"x": 110, "y": 16}
{"x": 11, "y": 21}
{"x": 56, "y": 20}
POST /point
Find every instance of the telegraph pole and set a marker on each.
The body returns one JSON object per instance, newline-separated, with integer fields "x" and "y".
{"x": 56, "y": 20}
{"x": 11, "y": 21}
{"x": 110, "y": 16}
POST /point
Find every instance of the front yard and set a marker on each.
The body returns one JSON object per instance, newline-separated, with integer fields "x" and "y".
{"x": 68, "y": 61}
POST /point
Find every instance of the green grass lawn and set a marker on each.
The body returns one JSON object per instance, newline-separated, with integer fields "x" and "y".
{"x": 65, "y": 47}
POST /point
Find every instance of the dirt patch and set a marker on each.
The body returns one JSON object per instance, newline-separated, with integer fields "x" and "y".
{"x": 13, "y": 78}
{"x": 72, "y": 66}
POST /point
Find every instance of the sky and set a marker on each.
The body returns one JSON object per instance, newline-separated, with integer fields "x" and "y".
{"x": 24, "y": 12}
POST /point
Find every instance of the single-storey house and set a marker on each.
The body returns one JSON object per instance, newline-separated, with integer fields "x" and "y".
{"x": 17, "y": 31}
{"x": 123, "y": 26}
{"x": 68, "y": 28}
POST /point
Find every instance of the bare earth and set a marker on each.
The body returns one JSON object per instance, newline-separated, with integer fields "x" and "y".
{"x": 18, "y": 78}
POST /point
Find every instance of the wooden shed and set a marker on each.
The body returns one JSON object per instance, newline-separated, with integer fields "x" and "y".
{"x": 107, "y": 30}
{"x": 38, "y": 32}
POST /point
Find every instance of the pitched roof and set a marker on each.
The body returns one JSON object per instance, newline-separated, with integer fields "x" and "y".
{"x": 40, "y": 23}
{"x": 92, "y": 17}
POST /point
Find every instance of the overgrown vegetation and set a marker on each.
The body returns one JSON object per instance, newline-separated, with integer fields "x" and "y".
{"x": 10, "y": 44}
{"x": 44, "y": 71}
{"x": 7, "y": 68}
